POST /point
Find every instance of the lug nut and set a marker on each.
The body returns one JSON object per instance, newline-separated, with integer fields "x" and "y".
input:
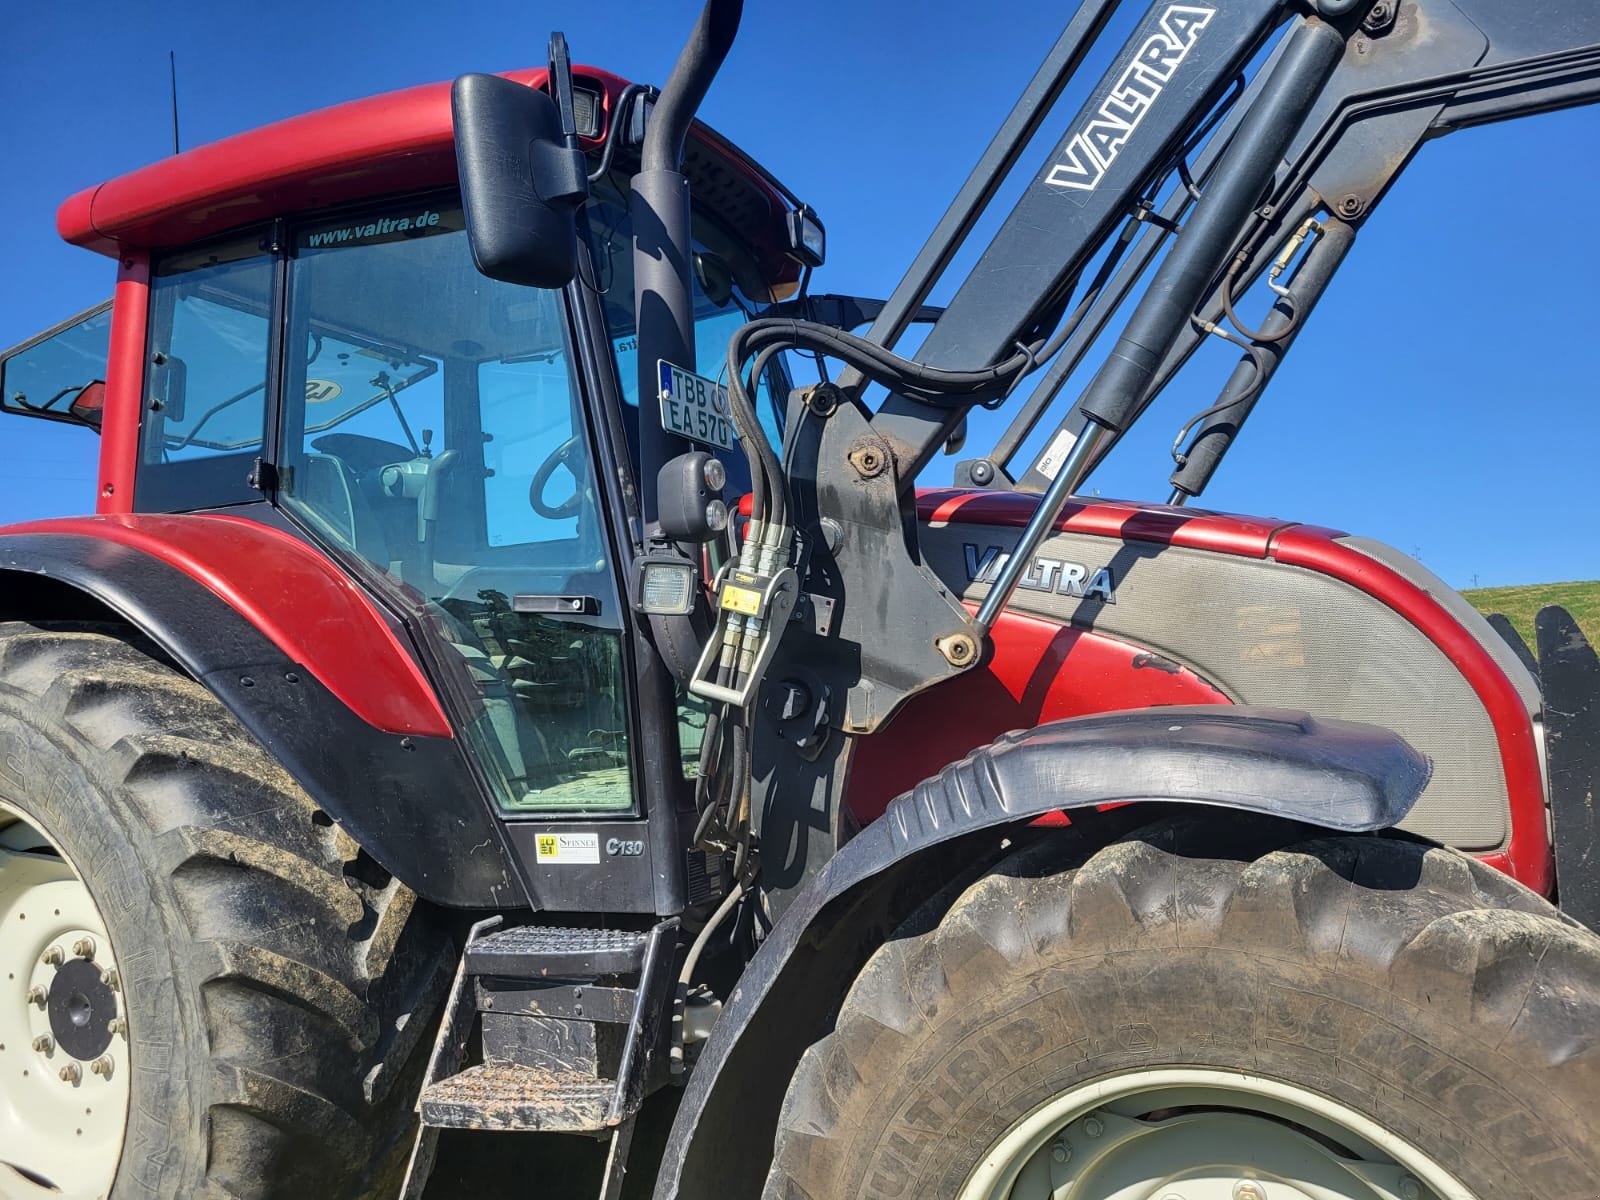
{"x": 1060, "y": 1151}
{"x": 43, "y": 1043}
{"x": 1410, "y": 1188}
{"x": 111, "y": 979}
{"x": 117, "y": 1025}
{"x": 1249, "y": 1189}
{"x": 1093, "y": 1127}
{"x": 54, "y": 956}
{"x": 37, "y": 995}
{"x": 83, "y": 947}
{"x": 71, "y": 1073}
{"x": 102, "y": 1066}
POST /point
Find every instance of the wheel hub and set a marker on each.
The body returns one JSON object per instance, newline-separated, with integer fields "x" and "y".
{"x": 1202, "y": 1134}
{"x": 81, "y": 1008}
{"x": 64, "y": 1077}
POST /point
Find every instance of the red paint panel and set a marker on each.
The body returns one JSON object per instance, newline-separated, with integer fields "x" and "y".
{"x": 124, "y": 396}
{"x": 1528, "y": 855}
{"x": 397, "y": 142}
{"x": 393, "y": 142}
{"x": 1037, "y": 672}
{"x": 295, "y": 596}
{"x": 1226, "y": 534}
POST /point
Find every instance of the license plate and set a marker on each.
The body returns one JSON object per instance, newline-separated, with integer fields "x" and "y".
{"x": 694, "y": 407}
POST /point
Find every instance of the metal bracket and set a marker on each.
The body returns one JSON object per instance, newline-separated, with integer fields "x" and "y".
{"x": 873, "y": 657}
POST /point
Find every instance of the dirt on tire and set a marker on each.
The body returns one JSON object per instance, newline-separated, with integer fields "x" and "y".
{"x": 1413, "y": 985}
{"x": 278, "y": 984}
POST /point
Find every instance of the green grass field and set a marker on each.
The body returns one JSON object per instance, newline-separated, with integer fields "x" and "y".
{"x": 1581, "y": 599}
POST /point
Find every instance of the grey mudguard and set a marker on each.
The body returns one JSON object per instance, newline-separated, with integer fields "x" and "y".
{"x": 1337, "y": 774}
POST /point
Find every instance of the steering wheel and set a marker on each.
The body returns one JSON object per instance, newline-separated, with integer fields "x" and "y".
{"x": 561, "y": 456}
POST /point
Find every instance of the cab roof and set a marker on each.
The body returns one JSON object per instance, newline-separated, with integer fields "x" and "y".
{"x": 382, "y": 145}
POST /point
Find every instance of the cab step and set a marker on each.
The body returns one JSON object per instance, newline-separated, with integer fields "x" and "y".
{"x": 542, "y": 951}
{"x": 509, "y": 1096}
{"x": 572, "y": 1027}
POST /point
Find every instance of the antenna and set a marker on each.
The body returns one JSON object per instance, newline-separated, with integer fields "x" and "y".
{"x": 172, "y": 66}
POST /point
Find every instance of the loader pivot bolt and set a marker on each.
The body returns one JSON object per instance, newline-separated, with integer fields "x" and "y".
{"x": 83, "y": 947}
{"x": 957, "y": 648}
{"x": 868, "y": 459}
{"x": 54, "y": 956}
{"x": 71, "y": 1073}
{"x": 44, "y": 1043}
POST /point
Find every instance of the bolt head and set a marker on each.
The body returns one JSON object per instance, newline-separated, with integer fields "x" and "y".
{"x": 43, "y": 1043}
{"x": 38, "y": 996}
{"x": 1061, "y": 1152}
{"x": 1249, "y": 1189}
{"x": 71, "y": 1073}
{"x": 102, "y": 1066}
{"x": 1410, "y": 1188}
{"x": 958, "y": 649}
{"x": 111, "y": 979}
{"x": 117, "y": 1025}
{"x": 54, "y": 956}
{"x": 83, "y": 947}
{"x": 1094, "y": 1127}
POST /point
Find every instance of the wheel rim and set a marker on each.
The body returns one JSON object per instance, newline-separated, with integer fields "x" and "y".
{"x": 64, "y": 1065}
{"x": 1202, "y": 1134}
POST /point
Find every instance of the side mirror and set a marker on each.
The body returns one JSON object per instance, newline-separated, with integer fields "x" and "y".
{"x": 521, "y": 183}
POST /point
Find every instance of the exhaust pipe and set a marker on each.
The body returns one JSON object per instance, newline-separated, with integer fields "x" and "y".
{"x": 663, "y": 305}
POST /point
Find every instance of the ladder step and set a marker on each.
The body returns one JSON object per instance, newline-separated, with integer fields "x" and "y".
{"x": 508, "y": 1097}
{"x": 534, "y": 951}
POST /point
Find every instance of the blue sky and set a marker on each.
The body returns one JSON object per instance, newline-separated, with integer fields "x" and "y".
{"x": 1443, "y": 399}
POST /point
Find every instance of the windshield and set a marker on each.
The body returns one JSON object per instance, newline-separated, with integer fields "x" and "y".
{"x": 433, "y": 427}
{"x": 728, "y": 289}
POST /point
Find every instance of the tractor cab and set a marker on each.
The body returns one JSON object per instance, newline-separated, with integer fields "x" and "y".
{"x": 344, "y": 370}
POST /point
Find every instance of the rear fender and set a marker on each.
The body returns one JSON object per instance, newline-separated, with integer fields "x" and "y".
{"x": 305, "y": 662}
{"x": 1339, "y": 775}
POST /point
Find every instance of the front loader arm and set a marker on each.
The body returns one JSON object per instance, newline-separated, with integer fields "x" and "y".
{"x": 1414, "y": 72}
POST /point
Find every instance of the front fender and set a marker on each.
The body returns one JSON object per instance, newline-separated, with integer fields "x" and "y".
{"x": 303, "y": 659}
{"x": 1340, "y": 775}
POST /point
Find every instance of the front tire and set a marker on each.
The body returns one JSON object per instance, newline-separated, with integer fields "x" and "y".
{"x": 1400, "y": 1016}
{"x": 276, "y": 984}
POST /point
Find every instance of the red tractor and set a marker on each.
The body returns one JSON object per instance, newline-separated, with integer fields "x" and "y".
{"x": 491, "y": 695}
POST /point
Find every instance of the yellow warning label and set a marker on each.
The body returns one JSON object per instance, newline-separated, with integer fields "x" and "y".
{"x": 548, "y": 846}
{"x": 741, "y": 600}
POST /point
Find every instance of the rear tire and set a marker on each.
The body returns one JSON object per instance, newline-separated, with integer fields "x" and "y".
{"x": 276, "y": 983}
{"x": 1412, "y": 989}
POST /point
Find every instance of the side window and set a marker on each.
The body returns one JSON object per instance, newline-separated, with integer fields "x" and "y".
{"x": 206, "y": 396}
{"x": 61, "y": 374}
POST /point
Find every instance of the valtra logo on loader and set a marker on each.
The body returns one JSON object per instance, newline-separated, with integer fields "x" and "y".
{"x": 1091, "y": 152}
